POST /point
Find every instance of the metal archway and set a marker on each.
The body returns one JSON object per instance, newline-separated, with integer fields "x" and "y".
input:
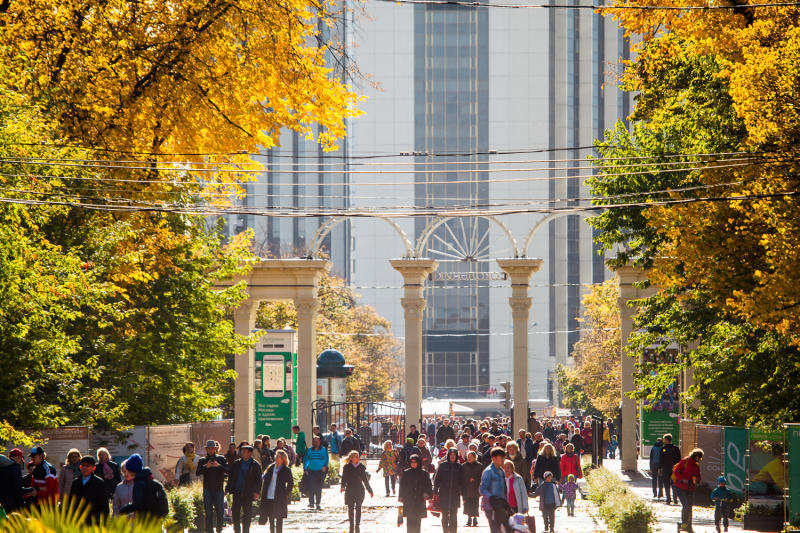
{"x": 432, "y": 226}
{"x": 331, "y": 223}
{"x": 545, "y": 220}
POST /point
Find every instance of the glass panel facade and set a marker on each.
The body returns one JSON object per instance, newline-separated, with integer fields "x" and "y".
{"x": 451, "y": 100}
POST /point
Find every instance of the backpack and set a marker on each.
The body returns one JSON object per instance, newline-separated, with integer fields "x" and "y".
{"x": 155, "y": 499}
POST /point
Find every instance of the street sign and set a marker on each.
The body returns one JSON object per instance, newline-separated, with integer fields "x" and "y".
{"x": 276, "y": 384}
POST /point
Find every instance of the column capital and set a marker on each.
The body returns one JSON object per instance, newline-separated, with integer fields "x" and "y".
{"x": 520, "y": 306}
{"x": 413, "y": 307}
{"x": 520, "y": 269}
{"x": 414, "y": 271}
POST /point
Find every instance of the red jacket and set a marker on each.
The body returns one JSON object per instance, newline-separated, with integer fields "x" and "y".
{"x": 684, "y": 471}
{"x": 571, "y": 464}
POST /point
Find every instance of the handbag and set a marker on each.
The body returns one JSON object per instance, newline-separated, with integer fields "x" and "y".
{"x": 303, "y": 486}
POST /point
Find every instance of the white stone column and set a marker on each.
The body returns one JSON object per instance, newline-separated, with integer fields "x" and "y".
{"x": 414, "y": 272}
{"x": 244, "y": 322}
{"x": 306, "y": 361}
{"x": 628, "y": 278}
{"x": 520, "y": 271}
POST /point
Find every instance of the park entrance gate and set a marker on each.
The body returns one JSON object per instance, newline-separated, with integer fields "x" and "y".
{"x": 372, "y": 422}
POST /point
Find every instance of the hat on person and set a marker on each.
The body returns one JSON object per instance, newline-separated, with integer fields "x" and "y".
{"x": 720, "y": 479}
{"x": 211, "y": 444}
{"x": 134, "y": 463}
{"x": 88, "y": 460}
{"x": 246, "y": 447}
{"x": 409, "y": 441}
{"x": 36, "y": 450}
{"x": 546, "y": 474}
{"x": 15, "y": 452}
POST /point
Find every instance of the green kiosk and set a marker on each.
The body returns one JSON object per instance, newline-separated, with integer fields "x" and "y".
{"x": 276, "y": 383}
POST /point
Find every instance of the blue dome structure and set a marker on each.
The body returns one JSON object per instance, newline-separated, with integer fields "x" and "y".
{"x": 331, "y": 364}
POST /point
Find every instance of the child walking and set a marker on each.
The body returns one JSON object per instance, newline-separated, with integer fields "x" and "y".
{"x": 549, "y": 499}
{"x": 721, "y": 497}
{"x": 570, "y": 489}
{"x": 388, "y": 463}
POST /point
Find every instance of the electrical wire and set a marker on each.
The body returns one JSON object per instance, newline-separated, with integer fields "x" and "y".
{"x": 461, "y": 3}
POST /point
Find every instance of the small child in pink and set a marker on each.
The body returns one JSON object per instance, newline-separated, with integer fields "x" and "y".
{"x": 570, "y": 489}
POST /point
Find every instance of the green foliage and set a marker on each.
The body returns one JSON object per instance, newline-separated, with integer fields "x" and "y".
{"x": 72, "y": 519}
{"x": 297, "y": 474}
{"x": 182, "y": 504}
{"x": 620, "y": 509}
{"x": 332, "y": 477}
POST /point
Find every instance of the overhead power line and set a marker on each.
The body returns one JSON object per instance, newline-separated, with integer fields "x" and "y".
{"x": 486, "y": 5}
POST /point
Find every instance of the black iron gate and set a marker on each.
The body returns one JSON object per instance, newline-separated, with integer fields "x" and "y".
{"x": 372, "y": 422}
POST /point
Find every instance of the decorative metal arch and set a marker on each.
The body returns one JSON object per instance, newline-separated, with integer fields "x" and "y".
{"x": 432, "y": 226}
{"x": 331, "y": 223}
{"x": 545, "y": 220}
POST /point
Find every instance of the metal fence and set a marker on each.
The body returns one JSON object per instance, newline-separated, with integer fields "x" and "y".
{"x": 372, "y": 422}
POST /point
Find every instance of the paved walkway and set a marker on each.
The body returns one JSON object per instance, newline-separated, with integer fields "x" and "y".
{"x": 379, "y": 514}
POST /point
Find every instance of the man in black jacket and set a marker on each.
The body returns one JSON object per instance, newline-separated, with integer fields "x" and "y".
{"x": 670, "y": 456}
{"x": 244, "y": 482}
{"x": 349, "y": 443}
{"x": 91, "y": 490}
{"x": 11, "y": 495}
{"x": 213, "y": 468}
{"x": 445, "y": 433}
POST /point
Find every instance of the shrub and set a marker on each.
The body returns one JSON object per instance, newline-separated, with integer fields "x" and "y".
{"x": 620, "y": 509}
{"x": 72, "y": 519}
{"x": 182, "y": 505}
{"x": 332, "y": 477}
{"x": 297, "y": 474}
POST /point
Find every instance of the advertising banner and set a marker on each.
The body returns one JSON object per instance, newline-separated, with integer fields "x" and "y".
{"x": 767, "y": 478}
{"x": 735, "y": 448}
{"x": 709, "y": 439}
{"x": 793, "y": 442}
{"x": 57, "y": 442}
{"x": 661, "y": 415}
{"x": 219, "y": 430}
{"x": 688, "y": 437}
{"x": 122, "y": 444}
{"x": 165, "y": 447}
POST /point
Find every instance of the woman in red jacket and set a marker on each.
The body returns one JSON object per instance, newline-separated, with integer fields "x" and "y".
{"x": 685, "y": 477}
{"x": 570, "y": 463}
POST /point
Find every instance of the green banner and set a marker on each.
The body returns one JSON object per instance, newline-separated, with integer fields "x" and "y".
{"x": 735, "y": 447}
{"x": 275, "y": 406}
{"x": 793, "y": 441}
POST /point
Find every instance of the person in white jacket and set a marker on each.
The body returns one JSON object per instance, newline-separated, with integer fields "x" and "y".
{"x": 516, "y": 493}
{"x": 186, "y": 468}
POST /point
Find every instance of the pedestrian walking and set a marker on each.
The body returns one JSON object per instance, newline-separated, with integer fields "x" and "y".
{"x": 547, "y": 461}
{"x": 415, "y": 489}
{"x": 448, "y": 484}
{"x": 300, "y": 446}
{"x": 472, "y": 482}
{"x": 685, "y": 478}
{"x": 570, "y": 463}
{"x": 123, "y": 493}
{"x": 11, "y": 493}
{"x": 389, "y": 464}
{"x": 108, "y": 471}
{"x": 354, "y": 481}
{"x": 315, "y": 464}
{"x": 275, "y": 492}
{"x": 669, "y": 456}
{"x": 516, "y": 492}
{"x": 186, "y": 467}
{"x": 335, "y": 439}
{"x": 68, "y": 473}
{"x": 91, "y": 490}
{"x": 413, "y": 433}
{"x": 244, "y": 483}
{"x": 493, "y": 485}
{"x": 267, "y": 454}
{"x": 570, "y": 490}
{"x": 44, "y": 481}
{"x": 612, "y": 447}
{"x": 425, "y": 455}
{"x": 549, "y": 499}
{"x": 349, "y": 443}
{"x": 212, "y": 468}
{"x": 149, "y": 497}
{"x": 721, "y": 497}
{"x": 656, "y": 478}
{"x": 445, "y": 432}
{"x": 232, "y": 454}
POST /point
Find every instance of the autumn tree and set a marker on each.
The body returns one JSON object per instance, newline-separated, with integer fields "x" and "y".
{"x": 364, "y": 337}
{"x": 593, "y": 382}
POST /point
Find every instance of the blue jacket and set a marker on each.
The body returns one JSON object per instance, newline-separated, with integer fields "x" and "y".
{"x": 336, "y": 441}
{"x": 721, "y": 497}
{"x": 315, "y": 459}
{"x": 655, "y": 454}
{"x": 493, "y": 482}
